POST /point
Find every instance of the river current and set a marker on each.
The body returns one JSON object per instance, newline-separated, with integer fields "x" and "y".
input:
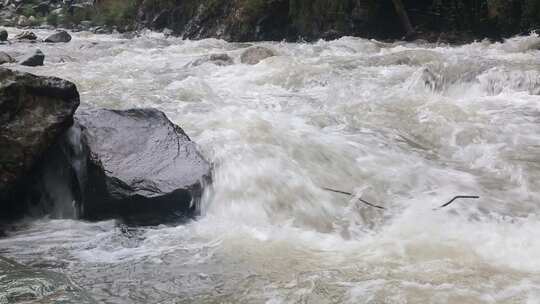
{"x": 405, "y": 125}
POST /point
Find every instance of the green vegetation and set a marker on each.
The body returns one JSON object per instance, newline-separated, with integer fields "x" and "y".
{"x": 75, "y": 16}
{"x": 28, "y": 10}
{"x": 53, "y": 19}
{"x": 306, "y": 14}
{"x": 116, "y": 13}
{"x": 121, "y": 14}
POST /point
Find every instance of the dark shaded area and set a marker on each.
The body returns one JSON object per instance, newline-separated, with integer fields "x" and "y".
{"x": 293, "y": 20}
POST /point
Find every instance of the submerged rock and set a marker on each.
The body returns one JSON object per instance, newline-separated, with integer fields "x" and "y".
{"x": 256, "y": 54}
{"x": 21, "y": 284}
{"x": 35, "y": 59}
{"x": 217, "y": 59}
{"x": 34, "y": 112}
{"x": 132, "y": 164}
{"x": 5, "y": 58}
{"x": 60, "y": 36}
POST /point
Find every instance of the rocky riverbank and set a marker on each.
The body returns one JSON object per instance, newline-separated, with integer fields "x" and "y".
{"x": 292, "y": 20}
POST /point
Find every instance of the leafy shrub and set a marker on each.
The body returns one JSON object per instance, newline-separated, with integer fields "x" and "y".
{"x": 53, "y": 19}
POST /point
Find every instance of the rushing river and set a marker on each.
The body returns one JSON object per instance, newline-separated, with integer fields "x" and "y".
{"x": 407, "y": 126}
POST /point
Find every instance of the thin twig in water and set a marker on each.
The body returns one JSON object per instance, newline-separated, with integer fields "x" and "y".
{"x": 360, "y": 199}
{"x": 383, "y": 208}
{"x": 456, "y": 198}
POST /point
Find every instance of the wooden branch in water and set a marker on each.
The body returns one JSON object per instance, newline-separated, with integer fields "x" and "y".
{"x": 360, "y": 199}
{"x": 383, "y": 208}
{"x": 456, "y": 198}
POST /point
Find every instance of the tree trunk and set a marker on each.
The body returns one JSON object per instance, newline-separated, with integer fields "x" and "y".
{"x": 405, "y": 21}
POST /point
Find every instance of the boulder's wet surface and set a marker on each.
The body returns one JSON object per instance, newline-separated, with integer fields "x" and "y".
{"x": 404, "y": 125}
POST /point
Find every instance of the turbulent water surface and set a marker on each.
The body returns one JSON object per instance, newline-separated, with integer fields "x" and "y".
{"x": 406, "y": 126}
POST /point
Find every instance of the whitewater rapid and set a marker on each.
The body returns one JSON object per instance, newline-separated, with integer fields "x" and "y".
{"x": 404, "y": 125}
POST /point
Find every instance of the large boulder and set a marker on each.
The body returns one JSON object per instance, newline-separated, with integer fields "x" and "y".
{"x": 34, "y": 112}
{"x": 133, "y": 164}
{"x": 256, "y": 54}
{"x": 34, "y": 59}
{"x": 21, "y": 284}
{"x": 60, "y": 36}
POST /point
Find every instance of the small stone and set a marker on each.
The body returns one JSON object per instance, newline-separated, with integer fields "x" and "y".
{"x": 3, "y": 35}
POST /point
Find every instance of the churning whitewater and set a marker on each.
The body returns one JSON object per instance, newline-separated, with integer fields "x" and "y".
{"x": 406, "y": 125}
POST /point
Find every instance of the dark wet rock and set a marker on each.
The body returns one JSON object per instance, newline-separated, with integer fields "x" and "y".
{"x": 217, "y": 59}
{"x": 5, "y": 58}
{"x": 60, "y": 36}
{"x": 130, "y": 35}
{"x": 331, "y": 35}
{"x": 3, "y": 35}
{"x": 161, "y": 20}
{"x": 132, "y": 164}
{"x": 34, "y": 112}
{"x": 256, "y": 54}
{"x": 22, "y": 284}
{"x": 26, "y": 35}
{"x": 35, "y": 59}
